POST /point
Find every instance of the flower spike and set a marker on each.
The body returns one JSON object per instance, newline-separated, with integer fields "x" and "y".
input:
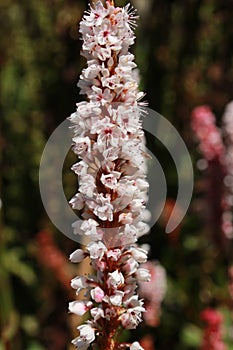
{"x": 109, "y": 141}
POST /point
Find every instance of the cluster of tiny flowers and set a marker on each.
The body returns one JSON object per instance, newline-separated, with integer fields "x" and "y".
{"x": 212, "y": 337}
{"x": 228, "y": 180}
{"x": 219, "y": 162}
{"x": 153, "y": 292}
{"x": 109, "y": 141}
{"x": 203, "y": 123}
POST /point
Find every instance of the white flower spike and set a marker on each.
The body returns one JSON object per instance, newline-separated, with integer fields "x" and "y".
{"x": 109, "y": 141}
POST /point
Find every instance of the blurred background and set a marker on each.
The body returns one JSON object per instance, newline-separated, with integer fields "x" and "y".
{"x": 184, "y": 51}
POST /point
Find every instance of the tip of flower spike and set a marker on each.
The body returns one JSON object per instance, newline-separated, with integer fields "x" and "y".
{"x": 133, "y": 16}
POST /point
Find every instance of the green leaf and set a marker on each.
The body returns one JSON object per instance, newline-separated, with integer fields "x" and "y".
{"x": 35, "y": 346}
{"x": 191, "y": 335}
{"x": 12, "y": 261}
{"x": 30, "y": 324}
{"x": 11, "y": 327}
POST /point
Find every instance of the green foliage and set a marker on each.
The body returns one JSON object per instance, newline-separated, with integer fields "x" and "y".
{"x": 191, "y": 336}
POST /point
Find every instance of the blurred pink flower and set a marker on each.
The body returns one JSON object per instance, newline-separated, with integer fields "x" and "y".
{"x": 213, "y": 334}
{"x": 147, "y": 342}
{"x": 203, "y": 123}
{"x": 153, "y": 292}
{"x": 218, "y": 162}
{"x": 228, "y": 161}
{"x": 51, "y": 257}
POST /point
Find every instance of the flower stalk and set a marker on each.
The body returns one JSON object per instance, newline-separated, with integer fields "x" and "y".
{"x": 109, "y": 140}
